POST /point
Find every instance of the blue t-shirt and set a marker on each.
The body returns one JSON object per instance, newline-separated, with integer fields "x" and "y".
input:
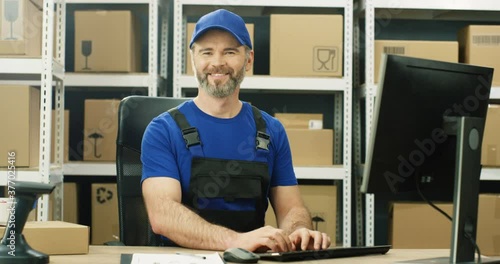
{"x": 164, "y": 152}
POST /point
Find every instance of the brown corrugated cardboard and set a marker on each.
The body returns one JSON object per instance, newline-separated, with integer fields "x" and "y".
{"x": 20, "y": 108}
{"x": 433, "y": 50}
{"x": 105, "y": 226}
{"x": 21, "y": 27}
{"x": 490, "y": 152}
{"x": 107, "y": 41}
{"x": 480, "y": 45}
{"x": 321, "y": 200}
{"x": 100, "y": 129}
{"x": 70, "y": 203}
{"x": 56, "y": 237}
{"x": 306, "y": 45}
{"x": 189, "y": 33}
{"x": 66, "y": 136}
{"x": 311, "y": 147}
{"x": 290, "y": 120}
{"x": 418, "y": 225}
{"x": 488, "y": 228}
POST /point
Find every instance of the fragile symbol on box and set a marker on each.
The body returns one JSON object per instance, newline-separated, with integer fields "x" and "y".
{"x": 325, "y": 59}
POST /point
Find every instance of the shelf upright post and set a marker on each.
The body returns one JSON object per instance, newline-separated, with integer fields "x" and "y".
{"x": 346, "y": 183}
{"x": 153, "y": 48}
{"x": 46, "y": 104}
{"x": 179, "y": 32}
{"x": 164, "y": 44}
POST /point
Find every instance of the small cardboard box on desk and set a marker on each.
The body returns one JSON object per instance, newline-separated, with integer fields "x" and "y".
{"x": 56, "y": 237}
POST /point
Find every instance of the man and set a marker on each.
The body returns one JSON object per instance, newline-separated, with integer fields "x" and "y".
{"x": 210, "y": 165}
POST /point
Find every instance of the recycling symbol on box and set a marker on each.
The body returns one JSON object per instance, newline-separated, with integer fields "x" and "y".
{"x": 104, "y": 195}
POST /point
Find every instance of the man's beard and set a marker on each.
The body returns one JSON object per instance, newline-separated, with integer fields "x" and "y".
{"x": 220, "y": 90}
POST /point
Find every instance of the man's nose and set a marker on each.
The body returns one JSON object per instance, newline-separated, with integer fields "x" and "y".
{"x": 218, "y": 60}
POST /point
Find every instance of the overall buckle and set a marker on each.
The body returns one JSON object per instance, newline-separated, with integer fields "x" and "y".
{"x": 191, "y": 136}
{"x": 262, "y": 141}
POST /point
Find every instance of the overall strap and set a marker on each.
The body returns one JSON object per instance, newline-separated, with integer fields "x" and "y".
{"x": 189, "y": 133}
{"x": 262, "y": 139}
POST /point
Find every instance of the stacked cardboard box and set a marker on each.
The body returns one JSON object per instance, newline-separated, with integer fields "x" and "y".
{"x": 321, "y": 201}
{"x": 490, "y": 152}
{"x": 309, "y": 147}
{"x": 417, "y": 225}
{"x": 107, "y": 41}
{"x": 100, "y": 129}
{"x": 20, "y": 108}
{"x": 480, "y": 45}
{"x": 433, "y": 50}
{"x": 306, "y": 45}
{"x": 21, "y": 27}
{"x": 105, "y": 225}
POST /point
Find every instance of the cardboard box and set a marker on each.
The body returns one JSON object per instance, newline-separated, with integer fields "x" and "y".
{"x": 189, "y": 33}
{"x": 21, "y": 27}
{"x": 418, "y": 225}
{"x": 321, "y": 200}
{"x": 107, "y": 41}
{"x": 70, "y": 203}
{"x": 480, "y": 45}
{"x": 433, "y": 50}
{"x": 290, "y": 120}
{"x": 100, "y": 129}
{"x": 56, "y": 237}
{"x": 306, "y": 45}
{"x": 105, "y": 225}
{"x": 490, "y": 151}
{"x": 20, "y": 108}
{"x": 488, "y": 228}
{"x": 311, "y": 147}
{"x": 66, "y": 137}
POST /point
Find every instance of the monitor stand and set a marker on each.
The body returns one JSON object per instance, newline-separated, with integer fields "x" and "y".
{"x": 14, "y": 248}
{"x": 468, "y": 132}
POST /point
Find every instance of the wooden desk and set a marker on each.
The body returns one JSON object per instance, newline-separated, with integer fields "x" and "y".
{"x": 111, "y": 254}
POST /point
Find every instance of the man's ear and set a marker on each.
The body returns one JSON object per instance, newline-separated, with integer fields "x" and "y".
{"x": 250, "y": 60}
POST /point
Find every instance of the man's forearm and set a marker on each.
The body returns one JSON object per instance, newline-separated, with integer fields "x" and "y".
{"x": 187, "y": 229}
{"x": 296, "y": 218}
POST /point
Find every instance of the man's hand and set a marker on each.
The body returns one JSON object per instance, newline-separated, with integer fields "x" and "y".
{"x": 264, "y": 239}
{"x": 307, "y": 239}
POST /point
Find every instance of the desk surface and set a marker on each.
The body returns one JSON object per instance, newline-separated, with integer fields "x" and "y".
{"x": 111, "y": 254}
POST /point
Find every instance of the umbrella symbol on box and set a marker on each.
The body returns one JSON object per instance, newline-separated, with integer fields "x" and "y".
{"x": 104, "y": 195}
{"x": 96, "y": 136}
{"x": 317, "y": 219}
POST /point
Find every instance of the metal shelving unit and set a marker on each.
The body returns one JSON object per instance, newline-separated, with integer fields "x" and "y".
{"x": 46, "y": 72}
{"x": 479, "y": 10}
{"x": 340, "y": 87}
{"x": 151, "y": 80}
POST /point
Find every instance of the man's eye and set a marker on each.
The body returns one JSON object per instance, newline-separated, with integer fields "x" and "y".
{"x": 206, "y": 53}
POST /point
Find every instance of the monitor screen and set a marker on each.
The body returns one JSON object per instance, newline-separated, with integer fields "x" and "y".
{"x": 408, "y": 142}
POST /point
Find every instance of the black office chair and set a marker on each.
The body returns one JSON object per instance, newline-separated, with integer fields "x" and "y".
{"x": 134, "y": 115}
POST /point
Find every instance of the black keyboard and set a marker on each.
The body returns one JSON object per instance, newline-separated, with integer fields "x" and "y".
{"x": 339, "y": 252}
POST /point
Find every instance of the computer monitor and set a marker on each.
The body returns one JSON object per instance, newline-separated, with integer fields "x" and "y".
{"x": 426, "y": 136}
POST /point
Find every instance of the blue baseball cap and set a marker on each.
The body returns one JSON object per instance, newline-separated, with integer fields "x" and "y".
{"x": 224, "y": 20}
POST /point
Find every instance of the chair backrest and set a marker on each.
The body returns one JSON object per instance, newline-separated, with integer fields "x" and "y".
{"x": 134, "y": 115}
